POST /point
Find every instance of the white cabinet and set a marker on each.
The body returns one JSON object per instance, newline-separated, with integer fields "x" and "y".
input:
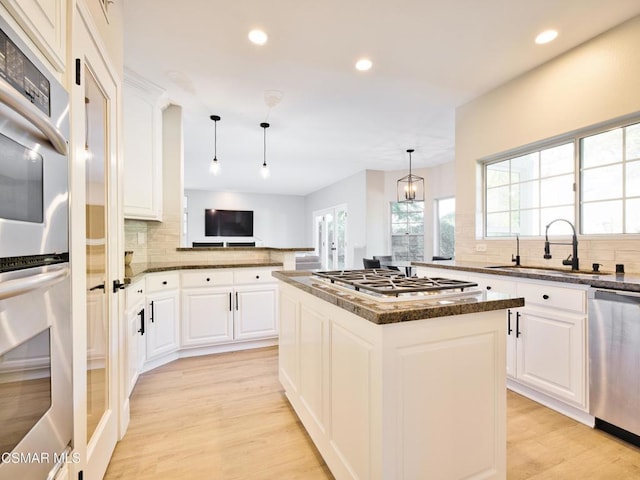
{"x": 163, "y": 315}
{"x": 255, "y": 312}
{"x": 135, "y": 337}
{"x": 546, "y": 339}
{"x": 142, "y": 105}
{"x": 207, "y": 316}
{"x": 551, "y": 342}
{"x": 45, "y": 22}
{"x": 226, "y": 305}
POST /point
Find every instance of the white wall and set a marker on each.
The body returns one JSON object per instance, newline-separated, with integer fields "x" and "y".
{"x": 352, "y": 192}
{"x": 278, "y": 219}
{"x": 368, "y": 195}
{"x": 439, "y": 182}
{"x": 590, "y": 85}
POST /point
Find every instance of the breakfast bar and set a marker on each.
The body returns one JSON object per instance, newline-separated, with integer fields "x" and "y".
{"x": 393, "y": 386}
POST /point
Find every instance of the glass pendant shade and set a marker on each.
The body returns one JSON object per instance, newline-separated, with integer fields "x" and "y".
{"x": 410, "y": 187}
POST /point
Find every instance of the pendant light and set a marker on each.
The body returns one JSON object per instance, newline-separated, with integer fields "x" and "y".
{"x": 411, "y": 187}
{"x": 215, "y": 165}
{"x": 265, "y": 170}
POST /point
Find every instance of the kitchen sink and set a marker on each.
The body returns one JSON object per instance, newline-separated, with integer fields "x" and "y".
{"x": 544, "y": 270}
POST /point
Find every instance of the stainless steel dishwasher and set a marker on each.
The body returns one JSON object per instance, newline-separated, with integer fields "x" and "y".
{"x": 614, "y": 362}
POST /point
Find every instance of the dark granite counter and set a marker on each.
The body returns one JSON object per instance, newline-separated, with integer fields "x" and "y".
{"x": 393, "y": 312}
{"x": 625, "y": 281}
{"x": 136, "y": 270}
{"x": 236, "y": 249}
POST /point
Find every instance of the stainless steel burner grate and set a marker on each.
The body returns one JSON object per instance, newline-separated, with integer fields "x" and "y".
{"x": 390, "y": 282}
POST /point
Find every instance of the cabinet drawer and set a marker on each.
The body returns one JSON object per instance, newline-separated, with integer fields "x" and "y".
{"x": 162, "y": 281}
{"x": 135, "y": 293}
{"x": 495, "y": 284}
{"x": 552, "y": 296}
{"x": 207, "y": 278}
{"x": 254, "y": 275}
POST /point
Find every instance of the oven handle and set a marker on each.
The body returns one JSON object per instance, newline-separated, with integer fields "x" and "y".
{"x": 12, "y": 99}
{"x": 19, "y": 286}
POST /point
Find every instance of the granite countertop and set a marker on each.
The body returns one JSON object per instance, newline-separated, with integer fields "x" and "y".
{"x": 226, "y": 249}
{"x": 136, "y": 270}
{"x": 626, "y": 281}
{"x": 394, "y": 312}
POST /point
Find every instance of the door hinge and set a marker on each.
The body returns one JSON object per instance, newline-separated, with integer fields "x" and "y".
{"x": 78, "y": 69}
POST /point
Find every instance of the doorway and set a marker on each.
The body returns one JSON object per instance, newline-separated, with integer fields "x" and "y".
{"x": 330, "y": 237}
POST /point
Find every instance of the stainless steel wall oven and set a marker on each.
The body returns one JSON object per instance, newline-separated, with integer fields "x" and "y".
{"x": 36, "y": 419}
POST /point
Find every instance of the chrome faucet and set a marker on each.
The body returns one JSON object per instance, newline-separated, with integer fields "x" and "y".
{"x": 573, "y": 258}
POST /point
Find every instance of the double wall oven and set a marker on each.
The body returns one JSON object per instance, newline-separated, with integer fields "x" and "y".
{"x": 35, "y": 319}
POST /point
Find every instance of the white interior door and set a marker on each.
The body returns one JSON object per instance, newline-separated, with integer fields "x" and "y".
{"x": 96, "y": 225}
{"x": 330, "y": 237}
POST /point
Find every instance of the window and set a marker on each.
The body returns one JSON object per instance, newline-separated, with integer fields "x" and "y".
{"x": 610, "y": 181}
{"x": 407, "y": 230}
{"x": 524, "y": 193}
{"x": 445, "y": 227}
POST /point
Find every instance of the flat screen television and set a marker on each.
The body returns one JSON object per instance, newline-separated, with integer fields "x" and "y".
{"x": 228, "y": 223}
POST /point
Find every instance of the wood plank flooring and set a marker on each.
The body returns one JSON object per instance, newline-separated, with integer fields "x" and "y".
{"x": 225, "y": 417}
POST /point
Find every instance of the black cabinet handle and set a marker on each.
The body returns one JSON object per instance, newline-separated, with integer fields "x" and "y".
{"x": 164, "y": 282}
{"x": 208, "y": 279}
{"x": 98, "y": 287}
{"x": 545, "y": 296}
{"x": 230, "y": 308}
{"x": 257, "y": 276}
{"x": 488, "y": 287}
{"x": 518, "y": 333}
{"x": 236, "y": 300}
{"x": 140, "y": 291}
{"x": 118, "y": 285}
{"x": 509, "y": 329}
{"x": 141, "y": 314}
{"x": 151, "y": 317}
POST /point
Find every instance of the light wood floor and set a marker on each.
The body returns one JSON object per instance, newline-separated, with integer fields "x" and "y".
{"x": 224, "y": 417}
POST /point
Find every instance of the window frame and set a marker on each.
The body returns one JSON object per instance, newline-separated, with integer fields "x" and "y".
{"x": 574, "y": 137}
{"x": 392, "y": 235}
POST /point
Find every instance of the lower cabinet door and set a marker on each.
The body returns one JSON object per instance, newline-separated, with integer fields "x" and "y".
{"x": 207, "y": 316}
{"x": 162, "y": 331}
{"x": 135, "y": 330}
{"x": 551, "y": 354}
{"x": 255, "y": 312}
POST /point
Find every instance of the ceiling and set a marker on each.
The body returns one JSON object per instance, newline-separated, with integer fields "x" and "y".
{"x": 429, "y": 56}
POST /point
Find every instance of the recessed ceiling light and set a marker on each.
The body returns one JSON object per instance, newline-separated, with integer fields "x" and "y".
{"x": 363, "y": 64}
{"x": 258, "y": 37}
{"x": 546, "y": 36}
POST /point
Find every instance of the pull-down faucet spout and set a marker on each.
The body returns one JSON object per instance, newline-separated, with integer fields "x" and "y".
{"x": 573, "y": 258}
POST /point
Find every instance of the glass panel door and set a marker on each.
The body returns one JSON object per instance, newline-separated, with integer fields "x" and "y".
{"x": 96, "y": 228}
{"x": 331, "y": 237}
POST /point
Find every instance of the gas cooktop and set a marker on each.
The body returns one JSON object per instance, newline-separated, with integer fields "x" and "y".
{"x": 385, "y": 282}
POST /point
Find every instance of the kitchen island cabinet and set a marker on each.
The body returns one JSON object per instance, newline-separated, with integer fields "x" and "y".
{"x": 396, "y": 391}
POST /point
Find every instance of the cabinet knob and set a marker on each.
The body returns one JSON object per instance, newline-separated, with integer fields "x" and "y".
{"x": 545, "y": 296}
{"x": 164, "y": 283}
{"x": 208, "y": 279}
{"x": 257, "y": 276}
{"x": 488, "y": 287}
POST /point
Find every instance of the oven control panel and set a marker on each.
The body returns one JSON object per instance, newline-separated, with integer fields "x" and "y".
{"x": 23, "y": 75}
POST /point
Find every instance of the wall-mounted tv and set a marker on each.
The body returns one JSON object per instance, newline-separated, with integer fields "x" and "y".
{"x": 228, "y": 223}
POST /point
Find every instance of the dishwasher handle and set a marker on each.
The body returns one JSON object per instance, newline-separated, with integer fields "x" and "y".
{"x": 615, "y": 296}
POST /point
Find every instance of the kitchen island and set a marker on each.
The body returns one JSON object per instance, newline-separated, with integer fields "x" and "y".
{"x": 396, "y": 389}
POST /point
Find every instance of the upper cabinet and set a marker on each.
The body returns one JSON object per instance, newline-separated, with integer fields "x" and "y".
{"x": 45, "y": 22}
{"x": 143, "y": 103}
